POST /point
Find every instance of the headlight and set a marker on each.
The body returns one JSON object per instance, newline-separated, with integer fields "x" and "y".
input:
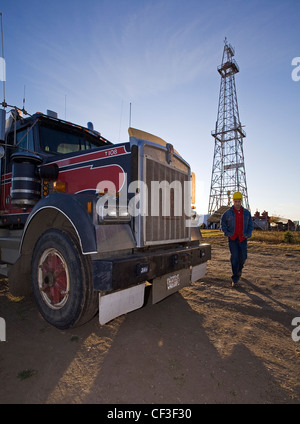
{"x": 112, "y": 213}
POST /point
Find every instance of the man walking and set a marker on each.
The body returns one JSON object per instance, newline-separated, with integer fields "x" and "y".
{"x": 237, "y": 225}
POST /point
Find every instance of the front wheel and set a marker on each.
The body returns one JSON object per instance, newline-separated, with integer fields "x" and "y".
{"x": 61, "y": 280}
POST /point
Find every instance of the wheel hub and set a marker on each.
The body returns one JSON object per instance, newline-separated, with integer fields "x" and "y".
{"x": 53, "y": 278}
{"x": 49, "y": 279}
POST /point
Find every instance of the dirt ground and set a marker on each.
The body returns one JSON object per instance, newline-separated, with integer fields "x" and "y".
{"x": 208, "y": 343}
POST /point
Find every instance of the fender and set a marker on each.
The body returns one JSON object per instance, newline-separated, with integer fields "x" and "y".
{"x": 72, "y": 208}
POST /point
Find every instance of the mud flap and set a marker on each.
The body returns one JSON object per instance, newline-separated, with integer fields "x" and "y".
{"x": 170, "y": 283}
{"x": 118, "y": 303}
{"x": 198, "y": 272}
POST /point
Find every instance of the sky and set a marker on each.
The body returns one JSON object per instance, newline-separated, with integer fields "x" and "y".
{"x": 89, "y": 60}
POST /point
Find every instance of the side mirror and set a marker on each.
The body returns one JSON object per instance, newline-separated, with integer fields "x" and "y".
{"x": 2, "y": 152}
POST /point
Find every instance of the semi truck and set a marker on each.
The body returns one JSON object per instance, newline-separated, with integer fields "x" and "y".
{"x": 87, "y": 225}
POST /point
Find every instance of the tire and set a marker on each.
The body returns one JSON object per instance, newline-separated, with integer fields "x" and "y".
{"x": 61, "y": 280}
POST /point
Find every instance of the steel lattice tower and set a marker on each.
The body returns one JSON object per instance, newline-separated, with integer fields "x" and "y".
{"x": 228, "y": 172}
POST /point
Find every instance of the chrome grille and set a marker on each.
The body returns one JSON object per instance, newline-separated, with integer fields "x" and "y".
{"x": 166, "y": 192}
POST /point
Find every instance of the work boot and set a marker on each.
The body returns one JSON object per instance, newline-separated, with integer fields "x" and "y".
{"x": 235, "y": 284}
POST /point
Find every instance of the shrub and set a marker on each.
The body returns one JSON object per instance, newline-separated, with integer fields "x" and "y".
{"x": 288, "y": 237}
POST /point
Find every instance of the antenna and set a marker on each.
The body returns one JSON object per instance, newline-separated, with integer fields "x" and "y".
{"x": 130, "y": 114}
{"x": 65, "y": 107}
{"x": 3, "y": 61}
{"x": 24, "y": 98}
{"x": 3, "y": 78}
{"x": 120, "y": 120}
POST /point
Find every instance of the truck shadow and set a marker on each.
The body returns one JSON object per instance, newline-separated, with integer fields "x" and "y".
{"x": 162, "y": 353}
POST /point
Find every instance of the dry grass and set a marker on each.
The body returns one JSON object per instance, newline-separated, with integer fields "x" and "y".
{"x": 275, "y": 237}
{"x": 290, "y": 239}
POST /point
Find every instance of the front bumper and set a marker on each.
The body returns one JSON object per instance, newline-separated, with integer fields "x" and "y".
{"x": 122, "y": 272}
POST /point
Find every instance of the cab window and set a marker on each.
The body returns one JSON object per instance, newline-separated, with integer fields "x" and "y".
{"x": 57, "y": 141}
{"x": 24, "y": 142}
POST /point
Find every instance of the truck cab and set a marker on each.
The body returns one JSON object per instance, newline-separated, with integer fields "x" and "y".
{"x": 86, "y": 225}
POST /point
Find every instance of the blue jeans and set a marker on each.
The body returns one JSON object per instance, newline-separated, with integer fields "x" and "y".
{"x": 238, "y": 250}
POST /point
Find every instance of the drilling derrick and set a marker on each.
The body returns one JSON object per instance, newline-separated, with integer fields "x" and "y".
{"x": 228, "y": 172}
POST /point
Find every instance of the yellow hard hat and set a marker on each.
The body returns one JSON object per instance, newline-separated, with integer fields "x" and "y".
{"x": 237, "y": 195}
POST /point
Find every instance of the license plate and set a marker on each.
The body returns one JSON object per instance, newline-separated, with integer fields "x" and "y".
{"x": 173, "y": 281}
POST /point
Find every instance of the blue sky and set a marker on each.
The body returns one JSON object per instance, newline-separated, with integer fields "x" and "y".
{"x": 88, "y": 60}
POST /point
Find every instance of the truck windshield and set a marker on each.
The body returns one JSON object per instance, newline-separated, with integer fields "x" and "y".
{"x": 57, "y": 140}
